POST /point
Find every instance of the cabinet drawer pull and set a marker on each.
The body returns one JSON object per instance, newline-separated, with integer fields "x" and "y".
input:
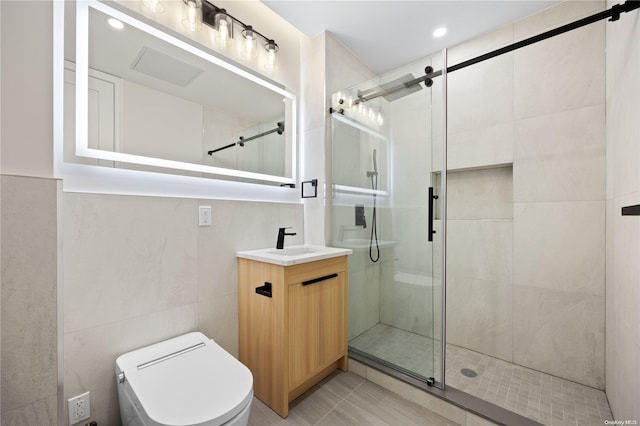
{"x": 317, "y": 280}
{"x": 264, "y": 290}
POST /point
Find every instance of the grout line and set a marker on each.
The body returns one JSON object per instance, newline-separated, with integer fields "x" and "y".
{"x": 341, "y": 401}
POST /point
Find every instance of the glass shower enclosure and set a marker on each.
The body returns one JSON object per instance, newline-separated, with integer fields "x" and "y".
{"x": 385, "y": 189}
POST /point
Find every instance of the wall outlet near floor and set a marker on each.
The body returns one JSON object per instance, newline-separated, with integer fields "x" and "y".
{"x": 79, "y": 408}
{"x": 204, "y": 215}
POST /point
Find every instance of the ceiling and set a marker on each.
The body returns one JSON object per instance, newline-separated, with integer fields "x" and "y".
{"x": 388, "y": 34}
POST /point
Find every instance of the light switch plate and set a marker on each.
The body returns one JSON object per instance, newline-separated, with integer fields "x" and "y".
{"x": 204, "y": 215}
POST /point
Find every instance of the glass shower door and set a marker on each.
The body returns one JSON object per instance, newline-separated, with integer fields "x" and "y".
{"x": 382, "y": 169}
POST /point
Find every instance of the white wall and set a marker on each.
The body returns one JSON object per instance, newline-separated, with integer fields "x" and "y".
{"x": 26, "y": 89}
{"x": 623, "y": 232}
{"x": 28, "y": 377}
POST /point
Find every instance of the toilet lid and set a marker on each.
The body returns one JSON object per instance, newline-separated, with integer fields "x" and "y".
{"x": 205, "y": 385}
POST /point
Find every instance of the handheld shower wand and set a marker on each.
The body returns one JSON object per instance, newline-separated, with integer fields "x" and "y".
{"x": 374, "y": 224}
{"x": 375, "y": 166}
{"x": 375, "y": 163}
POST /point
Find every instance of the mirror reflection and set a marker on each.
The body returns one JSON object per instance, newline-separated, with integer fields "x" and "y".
{"x": 152, "y": 99}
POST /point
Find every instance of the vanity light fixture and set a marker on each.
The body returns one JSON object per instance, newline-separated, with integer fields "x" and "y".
{"x": 223, "y": 23}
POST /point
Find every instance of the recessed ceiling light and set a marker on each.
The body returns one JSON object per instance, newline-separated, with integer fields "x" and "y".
{"x": 115, "y": 23}
{"x": 439, "y": 32}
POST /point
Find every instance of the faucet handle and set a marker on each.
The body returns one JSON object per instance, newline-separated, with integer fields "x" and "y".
{"x": 282, "y": 230}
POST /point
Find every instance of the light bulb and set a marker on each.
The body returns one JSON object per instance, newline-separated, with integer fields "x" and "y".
{"x": 154, "y": 6}
{"x": 272, "y": 49}
{"x": 350, "y": 101}
{"x": 248, "y": 45}
{"x": 380, "y": 119}
{"x": 223, "y": 24}
{"x": 192, "y": 15}
{"x": 224, "y": 32}
{"x": 360, "y": 108}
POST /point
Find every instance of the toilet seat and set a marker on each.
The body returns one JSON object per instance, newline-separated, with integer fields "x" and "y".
{"x": 188, "y": 380}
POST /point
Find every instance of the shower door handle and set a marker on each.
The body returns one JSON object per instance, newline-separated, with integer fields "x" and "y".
{"x": 430, "y": 231}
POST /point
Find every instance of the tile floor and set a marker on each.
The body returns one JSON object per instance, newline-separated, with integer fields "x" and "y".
{"x": 346, "y": 399}
{"x": 538, "y": 396}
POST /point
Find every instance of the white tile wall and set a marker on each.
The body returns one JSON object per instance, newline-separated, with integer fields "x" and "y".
{"x": 560, "y": 157}
{"x": 479, "y": 286}
{"x": 562, "y": 73}
{"x": 560, "y": 245}
{"x": 29, "y": 338}
{"x": 623, "y": 232}
{"x": 480, "y": 194}
{"x": 126, "y": 257}
{"x": 559, "y": 332}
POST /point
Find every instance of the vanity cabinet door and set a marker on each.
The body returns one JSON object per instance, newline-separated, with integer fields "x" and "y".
{"x": 332, "y": 319}
{"x": 317, "y": 332}
{"x": 304, "y": 328}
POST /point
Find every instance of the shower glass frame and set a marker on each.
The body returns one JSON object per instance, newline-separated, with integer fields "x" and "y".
{"x": 372, "y": 131}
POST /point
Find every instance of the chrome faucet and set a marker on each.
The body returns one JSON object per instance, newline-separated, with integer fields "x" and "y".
{"x": 281, "y": 235}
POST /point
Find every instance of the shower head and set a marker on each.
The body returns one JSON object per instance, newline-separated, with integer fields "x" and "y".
{"x": 393, "y": 90}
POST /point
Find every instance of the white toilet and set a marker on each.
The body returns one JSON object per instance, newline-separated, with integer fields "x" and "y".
{"x": 187, "y": 380}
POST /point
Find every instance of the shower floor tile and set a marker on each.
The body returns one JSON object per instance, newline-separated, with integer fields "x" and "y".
{"x": 541, "y": 397}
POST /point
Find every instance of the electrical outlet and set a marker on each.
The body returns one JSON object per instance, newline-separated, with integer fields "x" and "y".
{"x": 79, "y": 408}
{"x": 204, "y": 215}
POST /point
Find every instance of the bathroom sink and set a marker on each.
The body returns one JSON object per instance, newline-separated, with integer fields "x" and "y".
{"x": 293, "y": 255}
{"x": 295, "y": 251}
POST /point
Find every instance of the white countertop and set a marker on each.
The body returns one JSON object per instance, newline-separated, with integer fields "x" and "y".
{"x": 293, "y": 255}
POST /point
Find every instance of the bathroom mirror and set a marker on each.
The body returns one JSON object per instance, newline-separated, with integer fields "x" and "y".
{"x": 143, "y": 97}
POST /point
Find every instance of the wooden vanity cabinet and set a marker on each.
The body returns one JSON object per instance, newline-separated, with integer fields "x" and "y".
{"x": 298, "y": 335}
